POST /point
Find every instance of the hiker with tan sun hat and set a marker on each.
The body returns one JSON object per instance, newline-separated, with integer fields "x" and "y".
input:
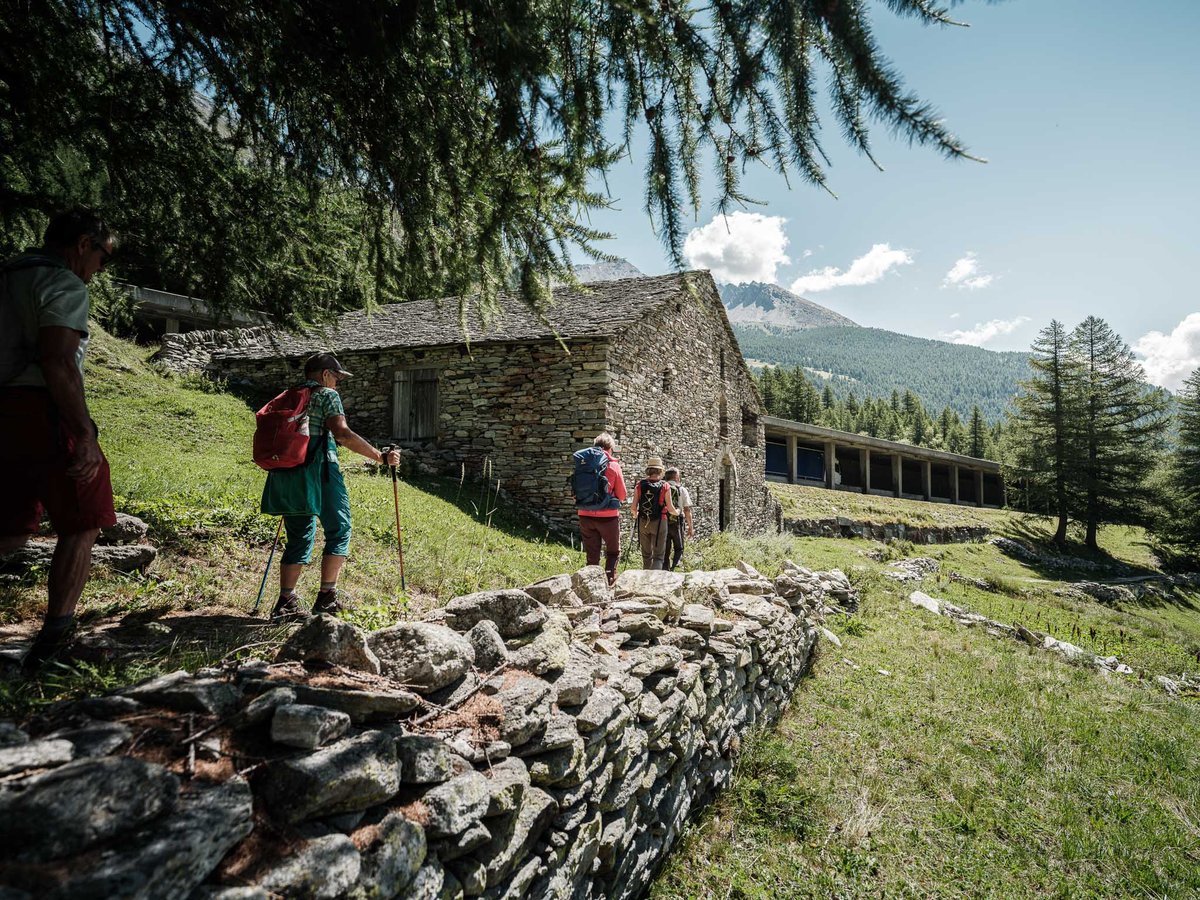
{"x": 651, "y": 505}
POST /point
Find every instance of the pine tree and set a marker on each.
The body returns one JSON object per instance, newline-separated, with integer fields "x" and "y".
{"x": 827, "y": 397}
{"x": 1044, "y": 455}
{"x": 978, "y": 441}
{"x": 1120, "y": 428}
{"x": 1179, "y": 524}
{"x": 920, "y": 431}
{"x": 768, "y": 388}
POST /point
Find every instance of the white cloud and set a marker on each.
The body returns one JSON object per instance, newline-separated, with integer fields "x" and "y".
{"x": 806, "y": 254}
{"x": 867, "y": 269}
{"x": 1170, "y": 358}
{"x": 984, "y": 331}
{"x": 739, "y": 247}
{"x": 965, "y": 273}
{"x": 955, "y": 315}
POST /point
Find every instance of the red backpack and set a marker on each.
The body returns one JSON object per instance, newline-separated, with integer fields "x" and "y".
{"x": 281, "y": 430}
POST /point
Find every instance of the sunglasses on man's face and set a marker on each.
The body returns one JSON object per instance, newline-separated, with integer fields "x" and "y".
{"x": 105, "y": 255}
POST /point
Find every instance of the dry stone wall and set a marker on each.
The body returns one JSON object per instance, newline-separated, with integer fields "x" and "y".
{"x": 843, "y": 526}
{"x": 548, "y": 742}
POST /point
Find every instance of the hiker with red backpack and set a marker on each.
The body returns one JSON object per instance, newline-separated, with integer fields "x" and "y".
{"x": 296, "y": 440}
{"x": 599, "y": 489}
{"x": 652, "y": 505}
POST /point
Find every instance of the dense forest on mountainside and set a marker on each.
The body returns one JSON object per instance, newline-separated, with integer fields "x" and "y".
{"x": 879, "y": 362}
{"x": 791, "y": 394}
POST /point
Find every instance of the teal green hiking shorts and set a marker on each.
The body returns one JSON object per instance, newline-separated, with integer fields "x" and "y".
{"x": 303, "y": 496}
{"x": 335, "y": 522}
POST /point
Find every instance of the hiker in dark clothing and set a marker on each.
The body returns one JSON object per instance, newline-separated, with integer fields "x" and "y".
{"x": 50, "y": 457}
{"x": 676, "y": 524}
{"x": 603, "y": 524}
{"x": 323, "y": 493}
{"x": 651, "y": 505}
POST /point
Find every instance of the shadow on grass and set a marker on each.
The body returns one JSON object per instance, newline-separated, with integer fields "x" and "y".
{"x": 476, "y": 499}
{"x": 1071, "y": 562}
{"x": 137, "y": 646}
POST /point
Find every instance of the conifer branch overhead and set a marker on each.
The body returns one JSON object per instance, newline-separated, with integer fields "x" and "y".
{"x": 307, "y": 157}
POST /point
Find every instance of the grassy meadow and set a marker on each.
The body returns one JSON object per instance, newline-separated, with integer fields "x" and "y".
{"x": 924, "y": 759}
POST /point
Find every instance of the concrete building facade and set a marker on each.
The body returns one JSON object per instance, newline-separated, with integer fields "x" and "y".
{"x": 798, "y": 453}
{"x": 653, "y": 360}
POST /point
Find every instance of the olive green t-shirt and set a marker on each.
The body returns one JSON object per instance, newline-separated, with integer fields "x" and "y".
{"x": 43, "y": 295}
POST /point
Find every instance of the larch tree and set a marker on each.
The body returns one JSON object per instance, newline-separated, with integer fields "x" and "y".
{"x": 302, "y": 158}
{"x": 1041, "y": 431}
{"x": 1180, "y": 525}
{"x": 1119, "y": 429}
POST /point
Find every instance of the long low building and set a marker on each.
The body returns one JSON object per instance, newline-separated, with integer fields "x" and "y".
{"x": 798, "y": 453}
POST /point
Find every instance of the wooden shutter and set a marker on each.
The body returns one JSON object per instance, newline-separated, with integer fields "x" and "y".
{"x": 415, "y": 404}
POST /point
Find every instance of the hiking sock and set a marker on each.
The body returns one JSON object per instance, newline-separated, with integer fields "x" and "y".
{"x": 327, "y": 586}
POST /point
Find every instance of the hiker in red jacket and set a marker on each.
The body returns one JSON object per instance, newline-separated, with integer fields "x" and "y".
{"x": 651, "y": 506}
{"x": 598, "y": 526}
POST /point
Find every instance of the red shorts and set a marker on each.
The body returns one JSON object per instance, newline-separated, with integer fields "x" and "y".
{"x": 34, "y": 456}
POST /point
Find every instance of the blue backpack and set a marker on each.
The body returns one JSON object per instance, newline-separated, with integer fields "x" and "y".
{"x": 589, "y": 482}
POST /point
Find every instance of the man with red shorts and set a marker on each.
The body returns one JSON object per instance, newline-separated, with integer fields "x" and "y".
{"x": 50, "y": 457}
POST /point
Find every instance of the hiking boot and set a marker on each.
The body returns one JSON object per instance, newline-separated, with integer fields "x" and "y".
{"x": 288, "y": 609}
{"x": 47, "y": 646}
{"x": 328, "y": 603}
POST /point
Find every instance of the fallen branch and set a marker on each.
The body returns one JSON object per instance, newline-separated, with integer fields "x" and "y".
{"x": 440, "y": 710}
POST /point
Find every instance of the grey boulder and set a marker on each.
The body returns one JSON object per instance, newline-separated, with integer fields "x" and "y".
{"x": 350, "y": 775}
{"x": 307, "y": 727}
{"x": 128, "y": 530}
{"x": 514, "y": 611}
{"x": 425, "y": 759}
{"x": 591, "y": 586}
{"x": 36, "y": 755}
{"x": 330, "y": 640}
{"x": 167, "y": 858}
{"x": 422, "y": 655}
{"x": 81, "y": 803}
{"x": 556, "y": 590}
{"x": 319, "y": 869}
{"x": 458, "y": 803}
{"x": 490, "y": 652}
{"x": 392, "y": 858}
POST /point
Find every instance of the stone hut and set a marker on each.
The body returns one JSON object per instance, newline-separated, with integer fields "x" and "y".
{"x": 653, "y": 360}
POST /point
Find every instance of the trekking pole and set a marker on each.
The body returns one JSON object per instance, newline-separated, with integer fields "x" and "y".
{"x": 396, "y": 504}
{"x": 629, "y": 545}
{"x": 262, "y": 587}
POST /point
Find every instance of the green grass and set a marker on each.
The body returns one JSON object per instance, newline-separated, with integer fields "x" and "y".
{"x": 977, "y": 767}
{"x": 801, "y": 502}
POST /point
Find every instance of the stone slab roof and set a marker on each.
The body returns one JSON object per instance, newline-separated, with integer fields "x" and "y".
{"x": 606, "y": 310}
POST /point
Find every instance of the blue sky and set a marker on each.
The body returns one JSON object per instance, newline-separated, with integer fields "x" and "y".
{"x": 1088, "y": 112}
